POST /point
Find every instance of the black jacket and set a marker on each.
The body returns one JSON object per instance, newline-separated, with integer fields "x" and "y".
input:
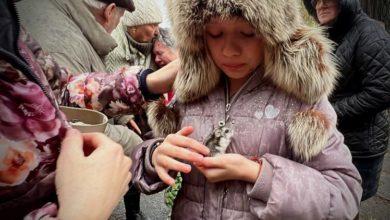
{"x": 362, "y": 95}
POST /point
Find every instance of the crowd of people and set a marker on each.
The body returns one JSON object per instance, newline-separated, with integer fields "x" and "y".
{"x": 264, "y": 116}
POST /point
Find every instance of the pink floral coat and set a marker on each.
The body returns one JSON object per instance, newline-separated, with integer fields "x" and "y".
{"x": 32, "y": 127}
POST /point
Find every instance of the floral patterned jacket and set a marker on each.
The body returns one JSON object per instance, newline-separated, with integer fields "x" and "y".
{"x": 32, "y": 86}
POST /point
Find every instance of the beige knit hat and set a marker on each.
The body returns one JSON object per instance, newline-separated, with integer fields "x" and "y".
{"x": 146, "y": 12}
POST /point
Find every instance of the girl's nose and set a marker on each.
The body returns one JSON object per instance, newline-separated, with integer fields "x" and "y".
{"x": 230, "y": 48}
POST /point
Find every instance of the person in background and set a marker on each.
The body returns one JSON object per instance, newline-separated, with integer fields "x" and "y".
{"x": 362, "y": 94}
{"x": 76, "y": 33}
{"x": 164, "y": 52}
{"x": 164, "y": 49}
{"x": 134, "y": 36}
{"x": 42, "y": 159}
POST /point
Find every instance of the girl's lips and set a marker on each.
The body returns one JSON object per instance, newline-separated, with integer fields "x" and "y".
{"x": 233, "y": 66}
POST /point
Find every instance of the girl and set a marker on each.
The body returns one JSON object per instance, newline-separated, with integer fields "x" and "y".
{"x": 253, "y": 90}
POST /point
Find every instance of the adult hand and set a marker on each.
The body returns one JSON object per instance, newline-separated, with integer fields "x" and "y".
{"x": 134, "y": 126}
{"x": 174, "y": 148}
{"x": 97, "y": 180}
{"x": 229, "y": 167}
{"x": 162, "y": 80}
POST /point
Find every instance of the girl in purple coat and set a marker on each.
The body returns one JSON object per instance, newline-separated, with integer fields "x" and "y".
{"x": 251, "y": 130}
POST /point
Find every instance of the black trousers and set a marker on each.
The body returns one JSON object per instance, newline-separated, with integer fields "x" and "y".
{"x": 132, "y": 203}
{"x": 370, "y": 169}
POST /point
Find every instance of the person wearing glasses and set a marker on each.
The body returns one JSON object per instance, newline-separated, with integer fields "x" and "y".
{"x": 362, "y": 95}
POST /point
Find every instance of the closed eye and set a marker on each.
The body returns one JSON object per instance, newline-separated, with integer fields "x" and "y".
{"x": 248, "y": 34}
{"x": 212, "y": 35}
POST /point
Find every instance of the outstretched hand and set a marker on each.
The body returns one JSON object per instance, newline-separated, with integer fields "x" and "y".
{"x": 176, "y": 148}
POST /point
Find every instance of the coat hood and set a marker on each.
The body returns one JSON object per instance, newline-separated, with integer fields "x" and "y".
{"x": 298, "y": 58}
{"x": 349, "y": 10}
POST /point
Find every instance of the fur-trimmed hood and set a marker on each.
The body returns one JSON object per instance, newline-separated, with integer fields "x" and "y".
{"x": 298, "y": 57}
{"x": 298, "y": 61}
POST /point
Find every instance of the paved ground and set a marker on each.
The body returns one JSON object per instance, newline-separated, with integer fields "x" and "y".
{"x": 153, "y": 207}
{"x": 378, "y": 207}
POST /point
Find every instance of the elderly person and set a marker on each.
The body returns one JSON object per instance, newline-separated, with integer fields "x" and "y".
{"x": 163, "y": 49}
{"x": 164, "y": 53}
{"x": 75, "y": 32}
{"x": 135, "y": 35}
{"x": 362, "y": 95}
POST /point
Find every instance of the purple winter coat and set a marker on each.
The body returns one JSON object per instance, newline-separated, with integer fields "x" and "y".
{"x": 326, "y": 187}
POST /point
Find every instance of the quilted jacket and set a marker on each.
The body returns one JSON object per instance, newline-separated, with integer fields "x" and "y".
{"x": 31, "y": 124}
{"x": 363, "y": 92}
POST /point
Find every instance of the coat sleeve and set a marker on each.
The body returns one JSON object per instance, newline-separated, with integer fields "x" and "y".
{"x": 326, "y": 187}
{"x": 372, "y": 59}
{"x": 121, "y": 92}
{"x": 145, "y": 177}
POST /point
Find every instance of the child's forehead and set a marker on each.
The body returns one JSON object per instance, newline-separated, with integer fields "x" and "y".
{"x": 228, "y": 22}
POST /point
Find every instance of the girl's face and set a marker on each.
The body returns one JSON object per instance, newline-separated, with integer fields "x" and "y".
{"x": 234, "y": 46}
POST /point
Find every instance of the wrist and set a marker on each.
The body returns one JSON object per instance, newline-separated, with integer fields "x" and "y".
{"x": 150, "y": 82}
{"x": 253, "y": 171}
{"x": 147, "y": 85}
{"x": 152, "y": 150}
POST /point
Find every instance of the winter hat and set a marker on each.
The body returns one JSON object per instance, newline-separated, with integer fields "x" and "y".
{"x": 126, "y": 4}
{"x": 298, "y": 60}
{"x": 146, "y": 12}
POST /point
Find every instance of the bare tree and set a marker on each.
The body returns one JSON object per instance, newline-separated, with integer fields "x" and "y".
{"x": 378, "y": 9}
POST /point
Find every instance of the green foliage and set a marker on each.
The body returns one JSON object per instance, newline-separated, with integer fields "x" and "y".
{"x": 172, "y": 191}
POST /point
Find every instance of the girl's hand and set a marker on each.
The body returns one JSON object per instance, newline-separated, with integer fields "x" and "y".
{"x": 177, "y": 147}
{"x": 229, "y": 167}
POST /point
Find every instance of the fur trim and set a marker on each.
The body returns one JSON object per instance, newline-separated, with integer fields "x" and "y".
{"x": 298, "y": 57}
{"x": 198, "y": 79}
{"x": 308, "y": 134}
{"x": 162, "y": 119}
{"x": 303, "y": 66}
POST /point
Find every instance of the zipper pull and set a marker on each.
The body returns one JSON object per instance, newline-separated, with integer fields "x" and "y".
{"x": 228, "y": 107}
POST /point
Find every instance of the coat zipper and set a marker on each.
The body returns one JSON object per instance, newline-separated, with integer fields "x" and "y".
{"x": 221, "y": 202}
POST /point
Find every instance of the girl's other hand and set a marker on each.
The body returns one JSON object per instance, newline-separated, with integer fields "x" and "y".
{"x": 175, "y": 148}
{"x": 92, "y": 171}
{"x": 229, "y": 167}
